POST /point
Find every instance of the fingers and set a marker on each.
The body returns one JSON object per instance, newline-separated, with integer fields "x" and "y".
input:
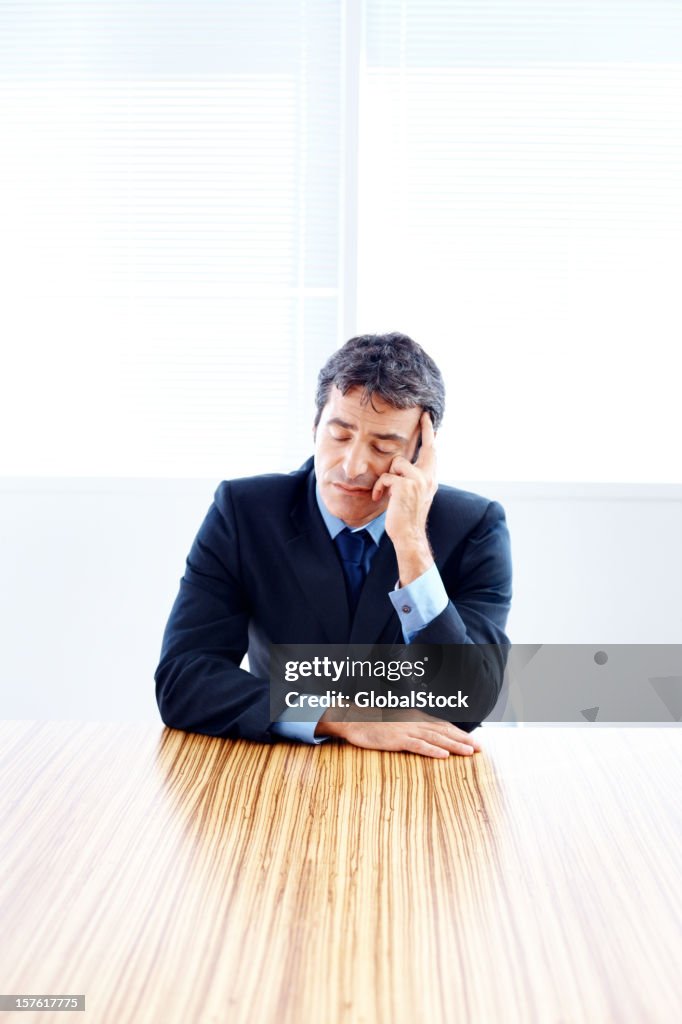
{"x": 401, "y": 470}
{"x": 451, "y": 733}
{"x": 445, "y": 736}
{"x": 428, "y": 433}
{"x": 426, "y": 460}
{"x": 383, "y": 483}
{"x": 433, "y": 744}
{"x": 430, "y": 737}
{"x": 463, "y": 737}
{"x": 448, "y": 743}
{"x": 401, "y": 466}
{"x": 426, "y": 749}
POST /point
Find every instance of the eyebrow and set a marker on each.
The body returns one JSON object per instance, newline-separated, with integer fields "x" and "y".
{"x": 382, "y": 437}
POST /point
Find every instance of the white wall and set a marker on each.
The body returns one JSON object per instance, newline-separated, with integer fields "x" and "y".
{"x": 90, "y": 569}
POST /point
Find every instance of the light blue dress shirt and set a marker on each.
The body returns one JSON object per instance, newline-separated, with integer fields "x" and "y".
{"x": 416, "y": 605}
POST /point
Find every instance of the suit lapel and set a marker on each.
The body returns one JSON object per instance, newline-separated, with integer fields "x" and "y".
{"x": 314, "y": 563}
{"x": 312, "y": 559}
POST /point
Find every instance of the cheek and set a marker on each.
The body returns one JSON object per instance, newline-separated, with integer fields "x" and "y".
{"x": 381, "y": 464}
{"x": 326, "y": 458}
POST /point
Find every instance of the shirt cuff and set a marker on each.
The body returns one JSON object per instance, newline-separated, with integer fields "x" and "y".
{"x": 420, "y": 602}
{"x": 290, "y": 725}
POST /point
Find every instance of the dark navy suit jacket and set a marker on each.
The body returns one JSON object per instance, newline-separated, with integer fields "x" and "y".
{"x": 263, "y": 569}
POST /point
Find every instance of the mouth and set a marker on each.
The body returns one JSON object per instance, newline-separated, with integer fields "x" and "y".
{"x": 352, "y": 490}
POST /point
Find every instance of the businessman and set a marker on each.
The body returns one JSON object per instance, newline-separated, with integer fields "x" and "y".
{"x": 360, "y": 546}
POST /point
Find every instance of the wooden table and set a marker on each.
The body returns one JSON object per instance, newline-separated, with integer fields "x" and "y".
{"x": 177, "y": 878}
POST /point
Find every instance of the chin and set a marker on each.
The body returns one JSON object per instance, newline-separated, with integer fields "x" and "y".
{"x": 350, "y": 513}
{"x": 351, "y": 510}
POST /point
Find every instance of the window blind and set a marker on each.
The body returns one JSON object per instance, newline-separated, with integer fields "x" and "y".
{"x": 520, "y": 198}
{"x": 171, "y": 185}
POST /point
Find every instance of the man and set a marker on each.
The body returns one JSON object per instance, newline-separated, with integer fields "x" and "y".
{"x": 358, "y": 546}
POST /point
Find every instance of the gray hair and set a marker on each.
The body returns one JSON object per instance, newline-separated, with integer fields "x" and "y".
{"x": 392, "y": 366}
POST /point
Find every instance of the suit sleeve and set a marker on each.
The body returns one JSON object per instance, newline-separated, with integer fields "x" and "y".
{"x": 199, "y": 684}
{"x": 480, "y": 590}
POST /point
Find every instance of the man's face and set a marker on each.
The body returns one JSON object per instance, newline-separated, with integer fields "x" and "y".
{"x": 354, "y": 444}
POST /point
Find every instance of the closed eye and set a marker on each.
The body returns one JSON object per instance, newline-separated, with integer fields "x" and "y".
{"x": 342, "y": 438}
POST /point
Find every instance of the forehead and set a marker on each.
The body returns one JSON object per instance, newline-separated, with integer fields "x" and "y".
{"x": 375, "y": 415}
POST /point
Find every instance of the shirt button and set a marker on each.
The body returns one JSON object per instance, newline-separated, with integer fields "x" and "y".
{"x": 407, "y": 609}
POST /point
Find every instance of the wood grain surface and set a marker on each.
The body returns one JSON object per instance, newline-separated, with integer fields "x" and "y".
{"x": 177, "y": 878}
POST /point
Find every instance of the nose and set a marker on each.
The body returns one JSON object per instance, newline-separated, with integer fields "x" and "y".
{"x": 355, "y": 461}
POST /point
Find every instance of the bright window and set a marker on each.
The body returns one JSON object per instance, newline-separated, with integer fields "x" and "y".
{"x": 182, "y": 243}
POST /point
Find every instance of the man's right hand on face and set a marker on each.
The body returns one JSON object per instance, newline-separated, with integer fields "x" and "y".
{"x": 425, "y": 735}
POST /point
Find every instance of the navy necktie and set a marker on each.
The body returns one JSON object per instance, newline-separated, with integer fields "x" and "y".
{"x": 353, "y": 548}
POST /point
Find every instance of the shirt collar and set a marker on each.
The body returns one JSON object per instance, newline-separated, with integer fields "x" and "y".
{"x": 335, "y": 525}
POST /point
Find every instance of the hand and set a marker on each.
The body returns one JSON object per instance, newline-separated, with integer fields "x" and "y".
{"x": 428, "y": 736}
{"x": 411, "y": 488}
